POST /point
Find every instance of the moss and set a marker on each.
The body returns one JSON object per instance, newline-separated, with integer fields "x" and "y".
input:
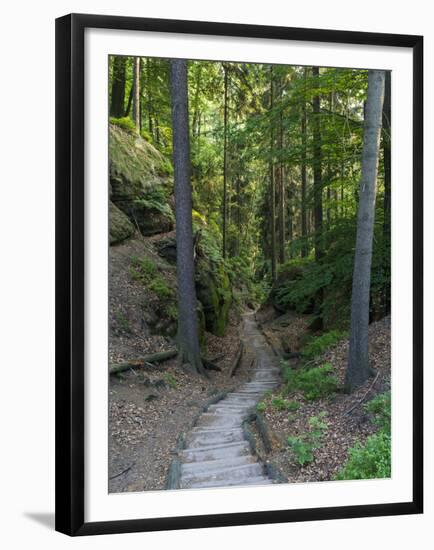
{"x": 214, "y": 292}
{"x": 120, "y": 226}
{"x": 140, "y": 181}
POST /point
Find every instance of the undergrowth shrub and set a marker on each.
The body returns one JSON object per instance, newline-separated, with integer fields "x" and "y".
{"x": 315, "y": 383}
{"x": 145, "y": 271}
{"x": 125, "y": 123}
{"x": 317, "y": 345}
{"x": 302, "y": 447}
{"x": 282, "y": 404}
{"x": 372, "y": 459}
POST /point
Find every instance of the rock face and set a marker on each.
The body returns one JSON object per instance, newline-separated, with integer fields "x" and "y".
{"x": 213, "y": 287}
{"x": 120, "y": 226}
{"x": 140, "y": 183}
{"x": 214, "y": 292}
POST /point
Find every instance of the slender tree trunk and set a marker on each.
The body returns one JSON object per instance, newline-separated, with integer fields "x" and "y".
{"x": 118, "y": 86}
{"x": 281, "y": 216}
{"x": 317, "y": 191}
{"x": 129, "y": 102}
{"x": 386, "y": 153}
{"x": 225, "y": 163}
{"x": 272, "y": 183}
{"x": 136, "y": 93}
{"x": 303, "y": 171}
{"x": 358, "y": 361}
{"x": 196, "y": 114}
{"x": 317, "y": 170}
{"x": 188, "y": 334}
{"x": 150, "y": 103}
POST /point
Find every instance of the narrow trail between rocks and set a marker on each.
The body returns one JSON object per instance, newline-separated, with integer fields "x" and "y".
{"x": 215, "y": 453}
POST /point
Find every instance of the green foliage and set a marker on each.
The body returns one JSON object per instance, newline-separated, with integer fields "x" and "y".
{"x": 317, "y": 345}
{"x": 303, "y": 446}
{"x": 145, "y": 271}
{"x": 380, "y": 409}
{"x": 372, "y": 459}
{"x": 156, "y": 199}
{"x": 171, "y": 380}
{"x": 125, "y": 123}
{"x": 315, "y": 383}
{"x": 261, "y": 406}
{"x": 123, "y": 321}
{"x": 282, "y": 404}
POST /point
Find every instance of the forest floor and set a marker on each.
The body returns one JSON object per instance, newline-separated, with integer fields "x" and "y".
{"x": 149, "y": 408}
{"x": 344, "y": 414}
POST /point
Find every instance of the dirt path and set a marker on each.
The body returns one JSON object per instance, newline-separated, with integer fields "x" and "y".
{"x": 215, "y": 453}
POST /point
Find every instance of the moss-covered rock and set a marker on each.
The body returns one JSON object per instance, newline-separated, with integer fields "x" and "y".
{"x": 120, "y": 226}
{"x": 214, "y": 292}
{"x": 140, "y": 182}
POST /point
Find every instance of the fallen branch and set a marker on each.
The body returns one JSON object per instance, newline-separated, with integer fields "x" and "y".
{"x": 237, "y": 360}
{"x": 360, "y": 401}
{"x": 217, "y": 358}
{"x": 209, "y": 365}
{"x": 123, "y": 471}
{"x": 140, "y": 363}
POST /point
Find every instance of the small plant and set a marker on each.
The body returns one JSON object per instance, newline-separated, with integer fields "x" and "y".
{"x": 123, "y": 322}
{"x": 124, "y": 122}
{"x": 171, "y": 380}
{"x": 282, "y": 404}
{"x": 318, "y": 344}
{"x": 380, "y": 408}
{"x": 303, "y": 446}
{"x": 143, "y": 269}
{"x": 315, "y": 383}
{"x": 261, "y": 406}
{"x": 371, "y": 460}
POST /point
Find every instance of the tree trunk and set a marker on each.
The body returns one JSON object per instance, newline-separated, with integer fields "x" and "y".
{"x": 317, "y": 190}
{"x": 386, "y": 153}
{"x": 358, "y": 361}
{"x": 317, "y": 170}
{"x": 188, "y": 334}
{"x": 272, "y": 184}
{"x": 303, "y": 172}
{"x": 150, "y": 103}
{"x": 136, "y": 93}
{"x": 225, "y": 164}
{"x": 281, "y": 216}
{"x": 118, "y": 86}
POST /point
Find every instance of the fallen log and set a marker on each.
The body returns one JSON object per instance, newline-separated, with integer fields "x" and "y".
{"x": 140, "y": 363}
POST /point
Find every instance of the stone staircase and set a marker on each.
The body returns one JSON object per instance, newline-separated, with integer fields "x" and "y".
{"x": 215, "y": 453}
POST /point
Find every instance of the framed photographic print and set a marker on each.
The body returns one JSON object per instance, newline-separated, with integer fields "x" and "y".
{"x": 238, "y": 274}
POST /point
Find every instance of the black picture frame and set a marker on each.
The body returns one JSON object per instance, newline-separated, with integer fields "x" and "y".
{"x": 70, "y": 286}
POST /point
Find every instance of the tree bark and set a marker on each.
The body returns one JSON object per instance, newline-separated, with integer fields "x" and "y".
{"x": 386, "y": 153}
{"x": 118, "y": 86}
{"x": 317, "y": 169}
{"x": 188, "y": 334}
{"x": 281, "y": 216}
{"x": 136, "y": 93}
{"x": 358, "y": 361}
{"x": 272, "y": 183}
{"x": 225, "y": 163}
{"x": 304, "y": 171}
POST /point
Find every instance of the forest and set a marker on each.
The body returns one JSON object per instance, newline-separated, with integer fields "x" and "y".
{"x": 250, "y": 236}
